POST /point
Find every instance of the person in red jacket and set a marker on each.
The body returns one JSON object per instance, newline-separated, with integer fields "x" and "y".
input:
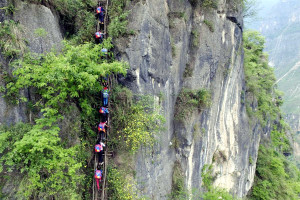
{"x": 98, "y": 177}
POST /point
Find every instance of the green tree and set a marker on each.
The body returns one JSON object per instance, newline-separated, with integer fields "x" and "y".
{"x": 49, "y": 169}
{"x": 276, "y": 178}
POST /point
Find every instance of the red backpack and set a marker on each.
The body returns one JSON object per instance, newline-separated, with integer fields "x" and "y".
{"x": 98, "y": 35}
{"x": 99, "y": 10}
{"x": 101, "y": 127}
{"x": 98, "y": 148}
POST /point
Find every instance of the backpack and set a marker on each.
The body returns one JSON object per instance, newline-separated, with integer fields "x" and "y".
{"x": 98, "y": 174}
{"x": 98, "y": 148}
{"x": 98, "y": 35}
{"x": 105, "y": 93}
{"x": 99, "y": 10}
{"x": 101, "y": 127}
{"x": 103, "y": 110}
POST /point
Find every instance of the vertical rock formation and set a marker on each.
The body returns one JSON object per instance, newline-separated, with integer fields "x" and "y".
{"x": 32, "y": 18}
{"x": 178, "y": 46}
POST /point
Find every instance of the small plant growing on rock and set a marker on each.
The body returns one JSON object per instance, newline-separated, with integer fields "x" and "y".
{"x": 190, "y": 100}
{"x": 178, "y": 188}
{"x": 210, "y": 4}
{"x": 209, "y": 25}
{"x": 195, "y": 35}
{"x": 188, "y": 71}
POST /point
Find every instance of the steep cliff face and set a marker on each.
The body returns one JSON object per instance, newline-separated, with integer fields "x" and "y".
{"x": 178, "y": 46}
{"x": 294, "y": 122}
{"x": 40, "y": 28}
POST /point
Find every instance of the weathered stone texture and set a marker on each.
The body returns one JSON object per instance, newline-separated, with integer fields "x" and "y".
{"x": 170, "y": 36}
{"x": 30, "y": 17}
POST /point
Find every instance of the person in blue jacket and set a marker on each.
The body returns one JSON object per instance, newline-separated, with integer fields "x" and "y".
{"x": 105, "y": 95}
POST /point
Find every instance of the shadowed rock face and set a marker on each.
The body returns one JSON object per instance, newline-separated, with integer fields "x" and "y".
{"x": 31, "y": 17}
{"x": 170, "y": 37}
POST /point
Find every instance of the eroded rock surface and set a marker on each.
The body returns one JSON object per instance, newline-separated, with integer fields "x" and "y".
{"x": 174, "y": 39}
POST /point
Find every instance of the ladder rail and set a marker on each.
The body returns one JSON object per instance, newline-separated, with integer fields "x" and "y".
{"x": 103, "y": 193}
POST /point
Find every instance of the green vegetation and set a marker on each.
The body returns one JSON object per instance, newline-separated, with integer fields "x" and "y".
{"x": 178, "y": 187}
{"x": 173, "y": 47}
{"x": 50, "y": 167}
{"x": 188, "y": 71}
{"x": 260, "y": 78}
{"x": 276, "y": 177}
{"x": 210, "y": 4}
{"x": 207, "y": 4}
{"x": 40, "y": 32}
{"x": 9, "y": 10}
{"x": 135, "y": 120}
{"x": 76, "y": 17}
{"x": 210, "y": 25}
{"x": 12, "y": 44}
{"x": 250, "y": 160}
{"x": 190, "y": 100}
{"x": 207, "y": 178}
{"x": 119, "y": 186}
{"x": 195, "y": 40}
{"x": 118, "y": 16}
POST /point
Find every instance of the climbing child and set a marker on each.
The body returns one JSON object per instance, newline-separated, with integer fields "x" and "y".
{"x": 100, "y": 12}
{"x": 105, "y": 94}
{"x": 99, "y": 37}
{"x": 99, "y": 151}
{"x": 98, "y": 176}
{"x": 104, "y": 113}
{"x": 102, "y": 129}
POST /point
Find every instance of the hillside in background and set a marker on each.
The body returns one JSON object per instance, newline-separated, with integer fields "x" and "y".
{"x": 280, "y": 24}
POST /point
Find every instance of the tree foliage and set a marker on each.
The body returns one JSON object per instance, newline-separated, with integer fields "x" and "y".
{"x": 189, "y": 100}
{"x": 260, "y": 78}
{"x": 118, "y": 16}
{"x": 276, "y": 177}
{"x": 136, "y": 120}
{"x": 49, "y": 169}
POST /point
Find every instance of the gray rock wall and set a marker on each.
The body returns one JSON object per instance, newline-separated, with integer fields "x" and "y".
{"x": 163, "y": 46}
{"x": 30, "y": 17}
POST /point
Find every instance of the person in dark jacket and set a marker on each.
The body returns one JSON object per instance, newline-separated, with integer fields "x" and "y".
{"x": 104, "y": 113}
{"x": 99, "y": 149}
{"x": 99, "y": 36}
{"x": 102, "y": 129}
{"x": 101, "y": 14}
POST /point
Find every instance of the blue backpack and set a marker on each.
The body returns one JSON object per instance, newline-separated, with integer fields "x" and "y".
{"x": 105, "y": 94}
